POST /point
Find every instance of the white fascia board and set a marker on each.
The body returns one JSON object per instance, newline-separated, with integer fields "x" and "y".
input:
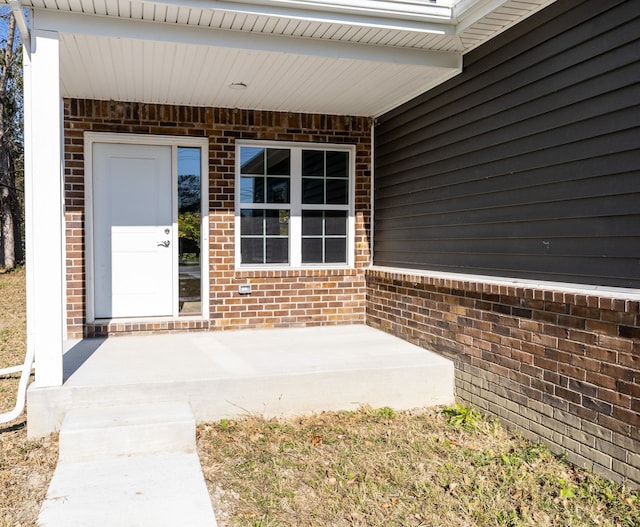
{"x": 329, "y": 13}
{"x": 65, "y": 22}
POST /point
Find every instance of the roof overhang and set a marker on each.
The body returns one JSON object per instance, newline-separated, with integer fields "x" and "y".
{"x": 351, "y": 57}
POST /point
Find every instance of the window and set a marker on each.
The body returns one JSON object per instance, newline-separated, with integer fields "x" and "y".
{"x": 294, "y": 205}
{"x": 189, "y": 235}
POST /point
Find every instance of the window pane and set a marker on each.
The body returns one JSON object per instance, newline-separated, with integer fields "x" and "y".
{"x": 277, "y": 190}
{"x": 337, "y": 190}
{"x": 251, "y": 250}
{"x": 277, "y": 250}
{"x": 251, "y": 222}
{"x": 312, "y": 163}
{"x": 312, "y": 250}
{"x": 251, "y": 160}
{"x": 188, "y": 179}
{"x": 335, "y": 223}
{"x": 189, "y": 235}
{"x": 338, "y": 164}
{"x": 312, "y": 190}
{"x": 277, "y": 223}
{"x": 311, "y": 222}
{"x": 252, "y": 190}
{"x": 335, "y": 250}
{"x": 278, "y": 162}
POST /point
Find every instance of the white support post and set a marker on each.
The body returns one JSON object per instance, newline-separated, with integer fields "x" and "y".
{"x": 44, "y": 207}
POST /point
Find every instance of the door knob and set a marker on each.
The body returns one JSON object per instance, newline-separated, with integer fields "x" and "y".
{"x": 164, "y": 243}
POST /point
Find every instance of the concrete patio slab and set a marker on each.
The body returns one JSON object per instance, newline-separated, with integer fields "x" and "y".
{"x": 225, "y": 374}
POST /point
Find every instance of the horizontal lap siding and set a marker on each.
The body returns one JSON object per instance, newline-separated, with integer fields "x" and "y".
{"x": 528, "y": 163}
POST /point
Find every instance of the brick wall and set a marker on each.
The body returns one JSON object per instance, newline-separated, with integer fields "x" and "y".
{"x": 557, "y": 366}
{"x": 279, "y": 298}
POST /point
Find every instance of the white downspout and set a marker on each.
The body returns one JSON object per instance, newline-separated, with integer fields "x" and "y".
{"x": 22, "y": 386}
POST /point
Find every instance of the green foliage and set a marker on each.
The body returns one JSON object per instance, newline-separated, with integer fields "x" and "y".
{"x": 189, "y": 226}
{"x": 567, "y": 492}
{"x": 462, "y": 416}
{"x": 386, "y": 413}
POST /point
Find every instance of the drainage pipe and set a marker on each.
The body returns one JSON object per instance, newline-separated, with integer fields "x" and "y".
{"x": 22, "y": 386}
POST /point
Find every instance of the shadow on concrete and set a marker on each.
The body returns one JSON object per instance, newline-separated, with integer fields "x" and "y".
{"x": 78, "y": 354}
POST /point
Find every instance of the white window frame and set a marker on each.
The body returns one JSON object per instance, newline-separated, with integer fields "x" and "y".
{"x": 296, "y": 205}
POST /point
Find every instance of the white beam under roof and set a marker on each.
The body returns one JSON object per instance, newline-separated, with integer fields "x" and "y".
{"x": 65, "y": 22}
{"x": 399, "y": 15}
{"x": 426, "y": 10}
{"x": 21, "y": 21}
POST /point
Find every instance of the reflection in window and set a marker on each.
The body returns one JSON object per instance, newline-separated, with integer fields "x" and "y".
{"x": 264, "y": 236}
{"x": 265, "y": 175}
{"x": 324, "y": 236}
{"x": 189, "y": 235}
{"x": 293, "y": 204}
{"x": 265, "y": 179}
{"x": 325, "y": 177}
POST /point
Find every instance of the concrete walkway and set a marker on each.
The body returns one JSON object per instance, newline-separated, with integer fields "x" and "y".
{"x": 133, "y": 466}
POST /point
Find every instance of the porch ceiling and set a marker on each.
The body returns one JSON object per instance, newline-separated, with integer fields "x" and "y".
{"x": 356, "y": 57}
{"x": 199, "y": 75}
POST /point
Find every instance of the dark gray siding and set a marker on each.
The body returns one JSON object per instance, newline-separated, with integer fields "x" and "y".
{"x": 527, "y": 164}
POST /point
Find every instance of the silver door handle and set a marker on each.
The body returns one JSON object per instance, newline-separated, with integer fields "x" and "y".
{"x": 164, "y": 243}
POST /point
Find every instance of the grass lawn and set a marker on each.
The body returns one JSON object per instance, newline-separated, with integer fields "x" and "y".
{"x": 373, "y": 467}
{"x": 25, "y": 466}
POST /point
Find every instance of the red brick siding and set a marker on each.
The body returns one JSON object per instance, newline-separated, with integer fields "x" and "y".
{"x": 280, "y": 298}
{"x": 559, "y": 366}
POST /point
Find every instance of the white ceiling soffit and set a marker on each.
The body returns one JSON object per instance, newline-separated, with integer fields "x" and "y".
{"x": 340, "y": 81}
{"x": 356, "y": 57}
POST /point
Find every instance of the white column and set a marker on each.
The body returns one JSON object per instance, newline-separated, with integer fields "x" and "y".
{"x": 44, "y": 209}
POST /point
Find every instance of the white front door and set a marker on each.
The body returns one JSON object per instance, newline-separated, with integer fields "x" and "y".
{"x": 132, "y": 235}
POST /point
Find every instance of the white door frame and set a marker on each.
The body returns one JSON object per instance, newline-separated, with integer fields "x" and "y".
{"x": 154, "y": 140}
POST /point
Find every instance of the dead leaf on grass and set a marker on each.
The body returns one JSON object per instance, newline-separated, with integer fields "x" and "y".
{"x": 390, "y": 504}
{"x": 353, "y": 479}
